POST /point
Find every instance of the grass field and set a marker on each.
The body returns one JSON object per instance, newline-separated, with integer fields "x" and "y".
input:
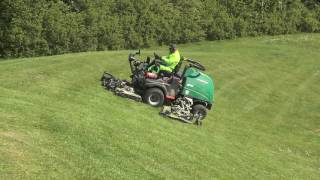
{"x": 57, "y": 122}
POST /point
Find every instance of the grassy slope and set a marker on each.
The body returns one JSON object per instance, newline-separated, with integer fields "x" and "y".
{"x": 56, "y": 121}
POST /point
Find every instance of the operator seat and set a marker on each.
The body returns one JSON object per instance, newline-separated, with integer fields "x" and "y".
{"x": 176, "y": 70}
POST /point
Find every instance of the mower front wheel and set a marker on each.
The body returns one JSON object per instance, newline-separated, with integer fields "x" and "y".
{"x": 199, "y": 112}
{"x": 154, "y": 97}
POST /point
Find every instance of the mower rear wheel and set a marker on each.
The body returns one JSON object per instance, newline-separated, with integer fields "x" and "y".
{"x": 199, "y": 112}
{"x": 154, "y": 97}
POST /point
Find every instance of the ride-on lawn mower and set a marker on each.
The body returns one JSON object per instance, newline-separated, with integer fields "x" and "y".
{"x": 186, "y": 94}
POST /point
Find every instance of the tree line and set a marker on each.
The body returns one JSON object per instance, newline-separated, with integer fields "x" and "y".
{"x": 48, "y": 27}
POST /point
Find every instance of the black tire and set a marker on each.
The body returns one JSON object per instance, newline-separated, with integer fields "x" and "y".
{"x": 154, "y": 97}
{"x": 199, "y": 110}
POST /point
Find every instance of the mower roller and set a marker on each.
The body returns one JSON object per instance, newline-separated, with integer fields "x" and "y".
{"x": 185, "y": 94}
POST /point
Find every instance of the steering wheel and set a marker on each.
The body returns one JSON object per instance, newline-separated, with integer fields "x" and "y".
{"x": 156, "y": 56}
{"x": 196, "y": 65}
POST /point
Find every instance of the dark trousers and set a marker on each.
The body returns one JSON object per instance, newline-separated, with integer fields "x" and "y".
{"x": 165, "y": 73}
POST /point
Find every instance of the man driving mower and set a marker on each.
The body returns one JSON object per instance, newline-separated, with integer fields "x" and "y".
{"x": 167, "y": 63}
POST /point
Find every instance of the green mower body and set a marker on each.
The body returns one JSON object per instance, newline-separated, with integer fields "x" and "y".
{"x": 198, "y": 85}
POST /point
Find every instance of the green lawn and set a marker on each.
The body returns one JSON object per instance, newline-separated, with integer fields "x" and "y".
{"x": 57, "y": 122}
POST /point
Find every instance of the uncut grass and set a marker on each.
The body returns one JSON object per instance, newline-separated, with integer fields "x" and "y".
{"x": 57, "y": 122}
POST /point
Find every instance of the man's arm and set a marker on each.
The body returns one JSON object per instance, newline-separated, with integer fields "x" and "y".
{"x": 171, "y": 58}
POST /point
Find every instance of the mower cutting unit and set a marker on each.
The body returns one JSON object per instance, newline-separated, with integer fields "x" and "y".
{"x": 186, "y": 94}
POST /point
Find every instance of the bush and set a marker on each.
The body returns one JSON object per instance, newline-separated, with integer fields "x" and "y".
{"x": 309, "y": 22}
{"x": 36, "y": 28}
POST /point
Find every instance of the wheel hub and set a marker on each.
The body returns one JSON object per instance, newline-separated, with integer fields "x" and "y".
{"x": 154, "y": 99}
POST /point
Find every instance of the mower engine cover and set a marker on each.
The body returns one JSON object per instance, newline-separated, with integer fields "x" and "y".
{"x": 198, "y": 86}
